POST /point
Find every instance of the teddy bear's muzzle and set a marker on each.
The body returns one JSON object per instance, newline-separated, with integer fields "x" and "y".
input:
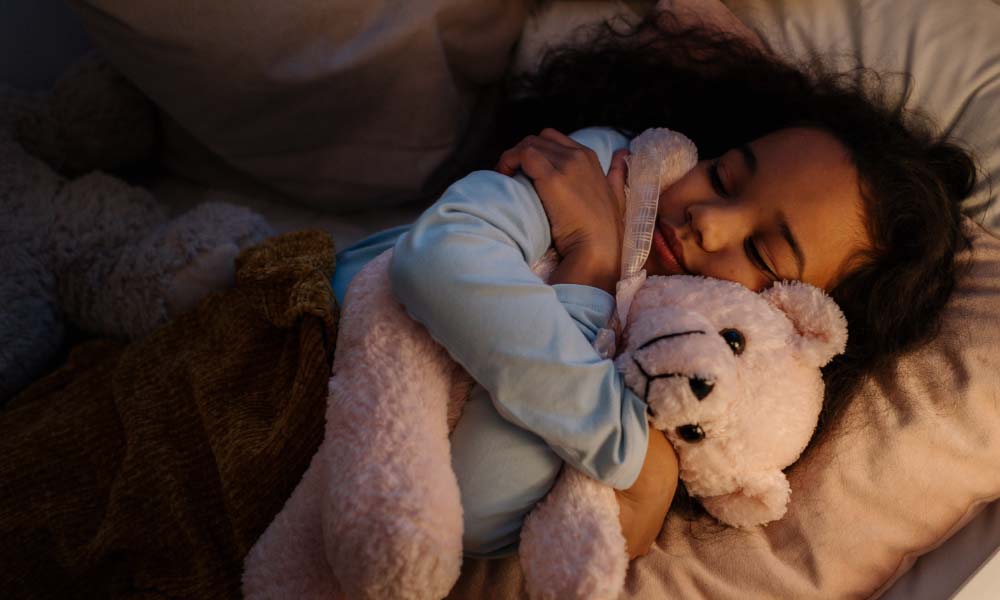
{"x": 700, "y": 387}
{"x": 679, "y": 374}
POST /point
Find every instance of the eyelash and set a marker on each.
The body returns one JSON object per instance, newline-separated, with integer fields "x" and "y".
{"x": 748, "y": 245}
{"x": 716, "y": 181}
{"x": 754, "y": 254}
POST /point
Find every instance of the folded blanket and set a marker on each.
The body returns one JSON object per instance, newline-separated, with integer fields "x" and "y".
{"x": 149, "y": 469}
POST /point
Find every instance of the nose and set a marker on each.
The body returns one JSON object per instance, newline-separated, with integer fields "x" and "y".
{"x": 716, "y": 225}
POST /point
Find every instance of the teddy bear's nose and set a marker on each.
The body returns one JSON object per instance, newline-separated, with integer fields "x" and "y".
{"x": 700, "y": 387}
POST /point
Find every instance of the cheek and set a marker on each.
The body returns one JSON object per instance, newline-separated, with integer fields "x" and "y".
{"x": 731, "y": 266}
{"x": 691, "y": 188}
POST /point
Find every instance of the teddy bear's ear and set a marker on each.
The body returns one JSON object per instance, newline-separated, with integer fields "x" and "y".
{"x": 762, "y": 499}
{"x": 818, "y": 320}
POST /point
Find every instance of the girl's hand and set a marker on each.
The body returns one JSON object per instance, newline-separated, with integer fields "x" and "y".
{"x": 585, "y": 207}
{"x": 643, "y": 507}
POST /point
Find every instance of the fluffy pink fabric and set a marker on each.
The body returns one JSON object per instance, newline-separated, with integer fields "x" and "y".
{"x": 572, "y": 544}
{"x": 377, "y": 514}
{"x": 765, "y": 398}
{"x": 378, "y": 509}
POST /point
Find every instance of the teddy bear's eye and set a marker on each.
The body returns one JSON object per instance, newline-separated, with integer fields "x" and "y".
{"x": 700, "y": 387}
{"x": 735, "y": 340}
{"x": 691, "y": 433}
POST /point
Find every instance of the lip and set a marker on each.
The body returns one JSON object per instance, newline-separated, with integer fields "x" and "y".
{"x": 669, "y": 249}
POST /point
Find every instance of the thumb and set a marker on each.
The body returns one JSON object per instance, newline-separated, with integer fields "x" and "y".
{"x": 617, "y": 177}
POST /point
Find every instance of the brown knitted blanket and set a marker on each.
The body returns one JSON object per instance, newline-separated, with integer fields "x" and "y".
{"x": 148, "y": 470}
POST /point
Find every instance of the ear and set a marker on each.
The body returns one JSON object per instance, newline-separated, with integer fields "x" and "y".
{"x": 818, "y": 320}
{"x": 762, "y": 499}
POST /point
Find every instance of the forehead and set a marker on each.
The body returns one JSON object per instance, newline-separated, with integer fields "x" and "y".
{"x": 807, "y": 176}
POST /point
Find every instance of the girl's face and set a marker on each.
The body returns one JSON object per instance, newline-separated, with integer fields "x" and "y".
{"x": 786, "y": 206}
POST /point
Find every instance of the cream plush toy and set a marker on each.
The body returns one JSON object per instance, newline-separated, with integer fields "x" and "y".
{"x": 731, "y": 376}
{"x": 82, "y": 248}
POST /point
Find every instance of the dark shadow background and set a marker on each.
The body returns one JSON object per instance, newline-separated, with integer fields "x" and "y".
{"x": 36, "y": 67}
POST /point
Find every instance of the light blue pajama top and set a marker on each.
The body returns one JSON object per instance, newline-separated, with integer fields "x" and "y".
{"x": 544, "y": 394}
{"x": 463, "y": 271}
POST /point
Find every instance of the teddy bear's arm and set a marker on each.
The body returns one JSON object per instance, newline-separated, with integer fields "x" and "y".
{"x": 572, "y": 544}
{"x": 378, "y": 512}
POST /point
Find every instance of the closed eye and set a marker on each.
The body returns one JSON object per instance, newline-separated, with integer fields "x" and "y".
{"x": 716, "y": 179}
{"x": 750, "y": 247}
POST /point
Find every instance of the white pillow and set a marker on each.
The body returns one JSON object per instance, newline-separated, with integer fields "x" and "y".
{"x": 951, "y": 49}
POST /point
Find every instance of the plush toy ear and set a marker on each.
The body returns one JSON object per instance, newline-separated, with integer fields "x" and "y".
{"x": 762, "y": 499}
{"x": 821, "y": 325}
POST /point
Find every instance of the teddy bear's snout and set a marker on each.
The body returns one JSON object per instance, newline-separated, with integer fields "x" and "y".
{"x": 684, "y": 374}
{"x": 701, "y": 387}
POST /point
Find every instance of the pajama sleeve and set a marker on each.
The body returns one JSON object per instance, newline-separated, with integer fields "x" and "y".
{"x": 463, "y": 271}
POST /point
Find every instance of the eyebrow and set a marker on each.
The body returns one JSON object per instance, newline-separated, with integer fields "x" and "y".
{"x": 793, "y": 243}
{"x": 749, "y": 158}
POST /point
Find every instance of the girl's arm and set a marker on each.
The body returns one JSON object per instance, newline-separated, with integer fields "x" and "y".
{"x": 463, "y": 272}
{"x": 643, "y": 507}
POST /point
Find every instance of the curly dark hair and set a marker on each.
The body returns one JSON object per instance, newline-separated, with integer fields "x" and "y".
{"x": 722, "y": 91}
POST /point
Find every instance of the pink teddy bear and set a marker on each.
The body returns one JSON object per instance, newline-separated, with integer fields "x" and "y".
{"x": 731, "y": 376}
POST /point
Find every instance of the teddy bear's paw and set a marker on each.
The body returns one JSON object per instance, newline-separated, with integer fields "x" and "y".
{"x": 213, "y": 224}
{"x": 421, "y": 576}
{"x": 107, "y": 278}
{"x": 394, "y": 529}
{"x": 572, "y": 546}
{"x": 211, "y": 271}
{"x": 398, "y": 563}
{"x": 124, "y": 289}
{"x": 31, "y": 326}
{"x": 762, "y": 498}
{"x": 287, "y": 562}
{"x": 206, "y": 241}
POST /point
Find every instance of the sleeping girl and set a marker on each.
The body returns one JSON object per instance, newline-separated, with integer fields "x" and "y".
{"x": 811, "y": 176}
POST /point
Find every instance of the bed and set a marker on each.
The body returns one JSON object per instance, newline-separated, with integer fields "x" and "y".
{"x": 951, "y": 50}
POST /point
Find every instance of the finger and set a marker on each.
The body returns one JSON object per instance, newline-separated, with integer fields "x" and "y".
{"x": 576, "y": 149}
{"x": 550, "y": 145}
{"x": 558, "y": 137}
{"x": 537, "y": 163}
{"x": 513, "y": 159}
{"x": 618, "y": 176}
{"x": 534, "y": 163}
{"x": 619, "y": 166}
{"x": 510, "y": 162}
